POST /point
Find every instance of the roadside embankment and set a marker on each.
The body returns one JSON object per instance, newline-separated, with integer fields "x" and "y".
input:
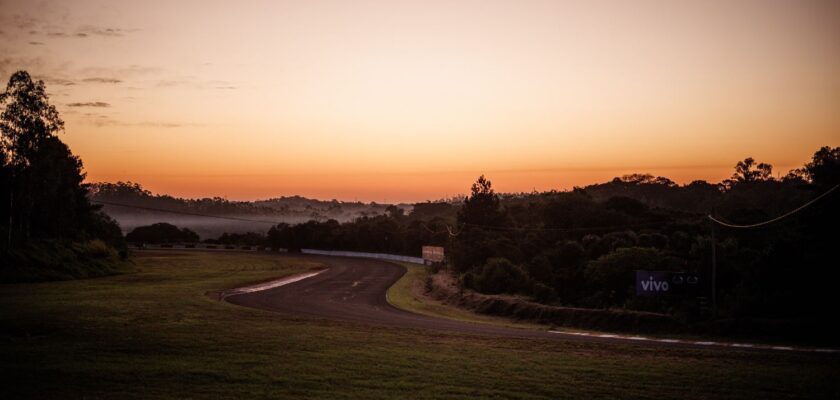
{"x": 443, "y": 287}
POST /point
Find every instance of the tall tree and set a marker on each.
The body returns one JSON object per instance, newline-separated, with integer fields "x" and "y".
{"x": 40, "y": 169}
{"x": 477, "y": 218}
{"x": 824, "y": 167}
{"x": 482, "y": 206}
{"x": 27, "y": 118}
{"x": 749, "y": 171}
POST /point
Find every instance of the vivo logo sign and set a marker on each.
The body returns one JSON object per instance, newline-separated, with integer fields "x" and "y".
{"x": 659, "y": 283}
{"x": 651, "y": 285}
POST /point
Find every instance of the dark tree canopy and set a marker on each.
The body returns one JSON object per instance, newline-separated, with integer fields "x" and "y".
{"x": 824, "y": 167}
{"x": 42, "y": 194}
{"x": 750, "y": 171}
{"x": 43, "y": 185}
{"x": 479, "y": 216}
{"x": 161, "y": 232}
{"x": 482, "y": 206}
{"x": 27, "y": 118}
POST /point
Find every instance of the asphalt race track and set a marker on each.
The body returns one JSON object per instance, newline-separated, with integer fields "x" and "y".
{"x": 353, "y": 289}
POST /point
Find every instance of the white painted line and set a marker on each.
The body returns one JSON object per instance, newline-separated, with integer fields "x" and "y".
{"x": 269, "y": 285}
{"x": 698, "y": 343}
{"x": 827, "y": 350}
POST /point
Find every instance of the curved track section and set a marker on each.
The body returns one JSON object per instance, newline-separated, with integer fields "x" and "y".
{"x": 354, "y": 289}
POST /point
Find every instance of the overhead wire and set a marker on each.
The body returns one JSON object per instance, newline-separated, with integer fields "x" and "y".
{"x": 776, "y": 219}
{"x": 194, "y": 214}
{"x": 456, "y": 231}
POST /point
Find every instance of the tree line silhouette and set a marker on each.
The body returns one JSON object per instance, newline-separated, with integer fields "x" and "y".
{"x": 575, "y": 248}
{"x": 582, "y": 247}
{"x": 48, "y": 226}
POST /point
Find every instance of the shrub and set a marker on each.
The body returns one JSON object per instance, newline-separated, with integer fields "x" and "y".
{"x": 428, "y": 283}
{"x": 96, "y": 249}
{"x": 50, "y": 260}
{"x": 498, "y": 275}
{"x": 543, "y": 293}
{"x": 161, "y": 232}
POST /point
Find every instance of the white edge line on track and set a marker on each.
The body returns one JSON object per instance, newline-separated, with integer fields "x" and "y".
{"x": 295, "y": 278}
{"x": 270, "y": 284}
{"x": 696, "y": 343}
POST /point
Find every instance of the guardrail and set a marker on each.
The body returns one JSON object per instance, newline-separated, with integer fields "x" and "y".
{"x": 202, "y": 246}
{"x": 357, "y": 254}
{"x": 224, "y": 247}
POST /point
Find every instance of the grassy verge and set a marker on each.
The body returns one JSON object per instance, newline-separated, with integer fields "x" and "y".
{"x": 153, "y": 334}
{"x": 55, "y": 260}
{"x": 407, "y": 294}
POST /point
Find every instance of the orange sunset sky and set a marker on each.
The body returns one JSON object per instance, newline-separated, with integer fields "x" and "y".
{"x": 412, "y": 100}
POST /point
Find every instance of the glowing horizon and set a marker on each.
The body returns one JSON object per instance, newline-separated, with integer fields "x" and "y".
{"x": 408, "y": 101}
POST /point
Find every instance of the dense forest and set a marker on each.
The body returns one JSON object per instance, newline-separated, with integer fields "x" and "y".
{"x": 582, "y": 247}
{"x": 577, "y": 248}
{"x": 48, "y": 227}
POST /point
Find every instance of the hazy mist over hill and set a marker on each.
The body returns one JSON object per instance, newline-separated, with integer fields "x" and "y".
{"x": 133, "y": 206}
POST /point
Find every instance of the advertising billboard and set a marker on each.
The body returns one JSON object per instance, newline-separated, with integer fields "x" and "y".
{"x": 433, "y": 253}
{"x": 664, "y": 283}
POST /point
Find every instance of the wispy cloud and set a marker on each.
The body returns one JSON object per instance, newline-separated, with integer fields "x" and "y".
{"x": 52, "y": 80}
{"x": 101, "y": 80}
{"x": 100, "y": 120}
{"x": 121, "y": 72}
{"x": 170, "y": 83}
{"x": 90, "y": 30}
{"x": 86, "y": 31}
{"x": 99, "y": 104}
{"x": 157, "y": 124}
{"x": 56, "y": 27}
{"x": 194, "y": 83}
{"x": 9, "y": 65}
{"x": 23, "y": 22}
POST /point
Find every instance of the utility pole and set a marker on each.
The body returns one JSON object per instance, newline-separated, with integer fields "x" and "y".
{"x": 714, "y": 271}
{"x": 11, "y": 204}
{"x": 11, "y": 207}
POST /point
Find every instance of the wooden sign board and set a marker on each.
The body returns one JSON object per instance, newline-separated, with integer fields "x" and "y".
{"x": 433, "y": 253}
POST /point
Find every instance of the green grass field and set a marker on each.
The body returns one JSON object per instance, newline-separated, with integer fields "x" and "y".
{"x": 406, "y": 294}
{"x": 153, "y": 333}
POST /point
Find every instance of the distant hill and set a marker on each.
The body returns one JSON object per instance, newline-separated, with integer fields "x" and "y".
{"x": 132, "y": 206}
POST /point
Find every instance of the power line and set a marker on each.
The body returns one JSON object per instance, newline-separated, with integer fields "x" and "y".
{"x": 449, "y": 230}
{"x": 186, "y": 212}
{"x": 452, "y": 232}
{"x": 779, "y": 218}
{"x": 575, "y": 229}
